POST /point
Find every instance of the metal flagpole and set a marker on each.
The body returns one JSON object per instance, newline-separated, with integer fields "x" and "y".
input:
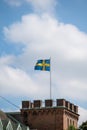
{"x": 50, "y": 79}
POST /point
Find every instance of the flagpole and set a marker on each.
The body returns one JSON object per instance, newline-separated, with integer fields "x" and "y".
{"x": 50, "y": 79}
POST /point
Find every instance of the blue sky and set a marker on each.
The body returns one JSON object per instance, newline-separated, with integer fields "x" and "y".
{"x": 39, "y": 29}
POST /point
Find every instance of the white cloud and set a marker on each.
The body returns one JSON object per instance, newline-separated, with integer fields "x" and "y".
{"x": 45, "y": 31}
{"x": 7, "y": 60}
{"x": 74, "y": 89}
{"x": 15, "y": 80}
{"x": 44, "y": 5}
{"x": 83, "y": 115}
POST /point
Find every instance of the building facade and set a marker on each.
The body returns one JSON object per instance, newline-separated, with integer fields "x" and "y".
{"x": 49, "y": 117}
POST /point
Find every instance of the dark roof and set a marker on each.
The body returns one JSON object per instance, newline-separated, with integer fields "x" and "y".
{"x": 5, "y": 118}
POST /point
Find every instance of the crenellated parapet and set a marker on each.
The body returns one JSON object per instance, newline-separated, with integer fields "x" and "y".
{"x": 50, "y": 103}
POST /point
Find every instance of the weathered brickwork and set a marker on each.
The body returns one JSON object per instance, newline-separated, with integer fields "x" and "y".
{"x": 49, "y": 117}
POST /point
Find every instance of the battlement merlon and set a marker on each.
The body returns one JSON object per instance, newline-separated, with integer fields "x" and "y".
{"x": 50, "y": 103}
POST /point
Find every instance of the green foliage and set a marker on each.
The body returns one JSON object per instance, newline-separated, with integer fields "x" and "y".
{"x": 83, "y": 126}
{"x": 71, "y": 127}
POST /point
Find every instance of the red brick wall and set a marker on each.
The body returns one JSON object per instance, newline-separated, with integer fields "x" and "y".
{"x": 49, "y": 117}
{"x": 69, "y": 118}
{"x": 45, "y": 119}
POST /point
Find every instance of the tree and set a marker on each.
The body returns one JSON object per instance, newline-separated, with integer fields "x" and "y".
{"x": 71, "y": 127}
{"x": 83, "y": 126}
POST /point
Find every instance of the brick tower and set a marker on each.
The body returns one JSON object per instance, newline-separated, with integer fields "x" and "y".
{"x": 49, "y": 117}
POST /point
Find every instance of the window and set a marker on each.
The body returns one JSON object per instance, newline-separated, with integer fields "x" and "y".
{"x": 67, "y": 122}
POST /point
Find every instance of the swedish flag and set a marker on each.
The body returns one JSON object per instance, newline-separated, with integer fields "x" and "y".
{"x": 43, "y": 65}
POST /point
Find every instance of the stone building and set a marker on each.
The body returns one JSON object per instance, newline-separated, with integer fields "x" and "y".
{"x": 49, "y": 117}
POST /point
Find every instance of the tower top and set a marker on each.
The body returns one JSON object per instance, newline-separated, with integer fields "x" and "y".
{"x": 49, "y": 103}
